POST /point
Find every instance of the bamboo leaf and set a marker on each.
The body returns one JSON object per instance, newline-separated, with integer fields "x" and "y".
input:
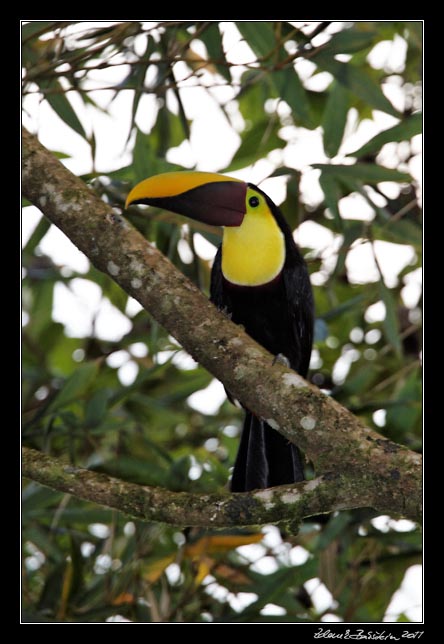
{"x": 403, "y": 418}
{"x": 96, "y": 408}
{"x": 290, "y": 88}
{"x": 332, "y": 193}
{"x": 357, "y": 80}
{"x": 259, "y": 36}
{"x": 390, "y": 323}
{"x": 39, "y": 232}
{"x": 291, "y": 208}
{"x": 75, "y": 385}
{"x": 253, "y": 93}
{"x": 402, "y": 131}
{"x": 136, "y": 79}
{"x": 63, "y": 108}
{"x": 256, "y": 144}
{"x": 366, "y": 172}
{"x": 335, "y": 118}
{"x": 403, "y": 231}
{"x": 349, "y": 41}
{"x": 352, "y": 230}
{"x": 345, "y": 307}
{"x": 145, "y": 160}
{"x": 41, "y": 309}
{"x": 335, "y": 527}
{"x": 212, "y": 39}
{"x": 37, "y": 28}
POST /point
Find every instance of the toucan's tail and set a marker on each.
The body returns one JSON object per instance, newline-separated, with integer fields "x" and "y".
{"x": 265, "y": 458}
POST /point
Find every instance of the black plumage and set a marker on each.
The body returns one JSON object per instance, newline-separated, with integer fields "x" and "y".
{"x": 279, "y": 316}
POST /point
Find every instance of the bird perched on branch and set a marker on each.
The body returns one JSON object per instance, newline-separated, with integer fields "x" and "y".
{"x": 260, "y": 279}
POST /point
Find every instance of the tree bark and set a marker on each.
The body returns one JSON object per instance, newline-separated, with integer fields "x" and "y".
{"x": 371, "y": 469}
{"x": 285, "y": 503}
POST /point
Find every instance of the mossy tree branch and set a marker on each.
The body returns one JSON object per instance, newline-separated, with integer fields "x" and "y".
{"x": 289, "y": 503}
{"x": 373, "y": 470}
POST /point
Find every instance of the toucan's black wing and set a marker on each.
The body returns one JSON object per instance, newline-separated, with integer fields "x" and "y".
{"x": 299, "y": 301}
{"x": 216, "y": 283}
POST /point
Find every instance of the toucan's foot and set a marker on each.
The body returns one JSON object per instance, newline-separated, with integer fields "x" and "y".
{"x": 282, "y": 360}
{"x": 226, "y": 312}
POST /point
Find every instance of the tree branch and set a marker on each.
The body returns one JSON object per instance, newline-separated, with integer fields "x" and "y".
{"x": 385, "y": 475}
{"x": 283, "y": 503}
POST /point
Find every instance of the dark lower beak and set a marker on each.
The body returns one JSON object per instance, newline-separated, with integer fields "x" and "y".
{"x": 203, "y": 196}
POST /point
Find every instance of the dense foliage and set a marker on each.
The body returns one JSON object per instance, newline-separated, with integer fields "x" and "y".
{"x": 123, "y": 406}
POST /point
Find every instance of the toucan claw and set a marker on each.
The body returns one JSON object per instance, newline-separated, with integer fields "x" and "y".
{"x": 281, "y": 359}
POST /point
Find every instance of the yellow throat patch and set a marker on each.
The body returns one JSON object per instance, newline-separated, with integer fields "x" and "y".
{"x": 254, "y": 252}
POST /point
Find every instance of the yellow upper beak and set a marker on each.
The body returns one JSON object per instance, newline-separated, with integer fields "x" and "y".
{"x": 171, "y": 184}
{"x": 205, "y": 196}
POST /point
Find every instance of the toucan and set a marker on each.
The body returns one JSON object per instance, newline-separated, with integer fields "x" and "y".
{"x": 259, "y": 278}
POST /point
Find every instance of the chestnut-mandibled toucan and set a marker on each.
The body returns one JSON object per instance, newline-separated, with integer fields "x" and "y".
{"x": 260, "y": 279}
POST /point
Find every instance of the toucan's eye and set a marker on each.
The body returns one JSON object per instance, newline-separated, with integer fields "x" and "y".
{"x": 254, "y": 202}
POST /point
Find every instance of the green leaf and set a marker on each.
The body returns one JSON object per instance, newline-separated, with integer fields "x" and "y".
{"x": 41, "y": 308}
{"x": 390, "y": 323}
{"x": 345, "y": 307}
{"x": 60, "y": 351}
{"x": 352, "y": 230}
{"x": 136, "y": 79}
{"x": 39, "y": 232}
{"x": 360, "y": 380}
{"x": 135, "y": 470}
{"x": 405, "y": 417}
{"x": 403, "y": 131}
{"x": 75, "y": 385}
{"x": 167, "y": 133}
{"x": 69, "y": 516}
{"x": 332, "y": 193}
{"x": 366, "y": 172}
{"x": 212, "y": 39}
{"x": 124, "y": 174}
{"x": 335, "y": 118}
{"x": 96, "y": 407}
{"x": 255, "y": 89}
{"x": 259, "y": 36}
{"x": 41, "y": 537}
{"x": 256, "y": 144}
{"x": 290, "y": 88}
{"x": 142, "y": 156}
{"x": 349, "y": 41}
{"x": 37, "y": 28}
{"x": 318, "y": 101}
{"x": 52, "y": 590}
{"x": 403, "y": 618}
{"x": 37, "y": 497}
{"x": 145, "y": 161}
{"x": 62, "y": 107}
{"x": 60, "y": 155}
{"x": 291, "y": 208}
{"x": 402, "y": 231}
{"x": 271, "y": 589}
{"x": 334, "y": 528}
{"x": 357, "y": 80}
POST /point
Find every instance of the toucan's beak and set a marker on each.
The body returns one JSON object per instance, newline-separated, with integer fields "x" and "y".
{"x": 210, "y": 198}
